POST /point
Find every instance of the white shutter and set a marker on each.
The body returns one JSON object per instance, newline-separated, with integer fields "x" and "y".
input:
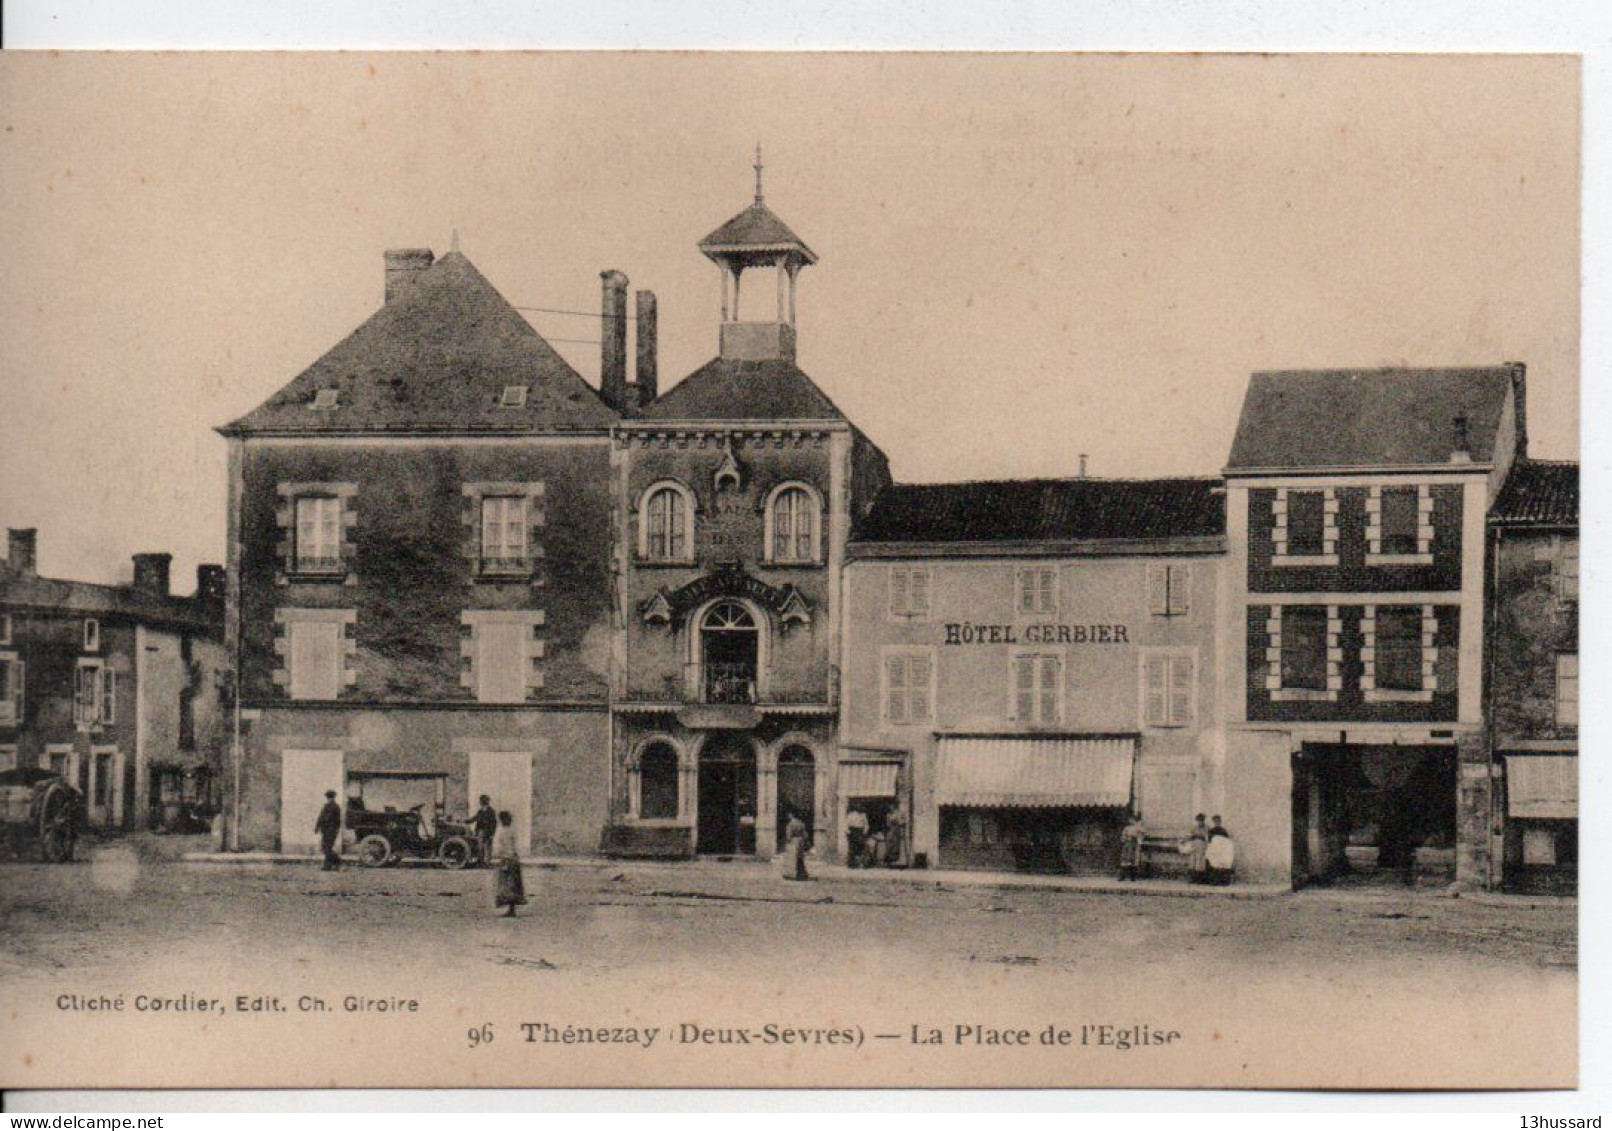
{"x": 1158, "y": 584}
{"x": 501, "y": 662}
{"x": 19, "y": 677}
{"x": 1051, "y": 676}
{"x": 919, "y": 590}
{"x": 1180, "y": 585}
{"x": 316, "y": 659}
{"x": 1180, "y": 690}
{"x": 1024, "y": 688}
{"x": 895, "y": 689}
{"x": 1155, "y": 678}
{"x": 109, "y": 696}
{"x": 918, "y": 677}
{"x": 900, "y": 601}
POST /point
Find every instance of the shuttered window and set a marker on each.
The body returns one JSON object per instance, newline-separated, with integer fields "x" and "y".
{"x": 1169, "y": 589}
{"x": 314, "y": 650}
{"x": 1567, "y": 690}
{"x": 1304, "y": 648}
{"x": 1037, "y": 590}
{"x": 11, "y": 689}
{"x": 1567, "y": 570}
{"x": 909, "y": 591}
{"x": 908, "y": 687}
{"x": 1037, "y": 689}
{"x": 94, "y": 694}
{"x": 1167, "y": 690}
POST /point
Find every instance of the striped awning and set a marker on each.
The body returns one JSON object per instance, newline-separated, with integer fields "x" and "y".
{"x": 1035, "y": 773}
{"x": 1543, "y": 787}
{"x": 869, "y": 779}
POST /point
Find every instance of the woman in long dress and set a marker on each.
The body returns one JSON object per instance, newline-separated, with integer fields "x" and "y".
{"x": 1196, "y": 849}
{"x": 509, "y": 888}
{"x": 795, "y": 849}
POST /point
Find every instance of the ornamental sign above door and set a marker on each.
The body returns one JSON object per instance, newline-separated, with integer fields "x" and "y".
{"x": 728, "y": 580}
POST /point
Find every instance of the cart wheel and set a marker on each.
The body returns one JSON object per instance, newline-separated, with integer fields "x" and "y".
{"x": 455, "y": 853}
{"x": 374, "y": 851}
{"x": 56, "y": 845}
{"x": 56, "y": 827}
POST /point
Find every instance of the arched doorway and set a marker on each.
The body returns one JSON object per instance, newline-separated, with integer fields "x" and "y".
{"x": 730, "y": 651}
{"x": 657, "y": 783}
{"x": 797, "y": 791}
{"x": 727, "y": 796}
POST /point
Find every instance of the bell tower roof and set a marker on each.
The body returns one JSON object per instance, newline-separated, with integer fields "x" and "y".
{"x": 756, "y": 236}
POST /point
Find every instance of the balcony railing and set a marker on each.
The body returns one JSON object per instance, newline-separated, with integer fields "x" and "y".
{"x": 735, "y": 684}
{"x": 319, "y": 563}
{"x": 505, "y": 563}
{"x": 727, "y": 683}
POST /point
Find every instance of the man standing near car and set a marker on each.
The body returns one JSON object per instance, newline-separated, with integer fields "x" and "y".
{"x": 328, "y": 826}
{"x": 484, "y": 824}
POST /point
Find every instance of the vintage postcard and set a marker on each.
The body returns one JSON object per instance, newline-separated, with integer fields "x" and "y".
{"x": 774, "y": 570}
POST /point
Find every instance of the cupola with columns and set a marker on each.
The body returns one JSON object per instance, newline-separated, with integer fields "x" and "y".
{"x": 755, "y": 240}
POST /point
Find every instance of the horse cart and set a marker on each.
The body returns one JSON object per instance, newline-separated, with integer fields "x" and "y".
{"x": 41, "y": 814}
{"x": 389, "y": 834}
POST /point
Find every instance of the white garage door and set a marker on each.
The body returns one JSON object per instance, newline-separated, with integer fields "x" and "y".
{"x": 506, "y": 777}
{"x": 304, "y": 777}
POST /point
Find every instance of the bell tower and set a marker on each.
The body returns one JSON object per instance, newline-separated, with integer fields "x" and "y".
{"x": 756, "y": 241}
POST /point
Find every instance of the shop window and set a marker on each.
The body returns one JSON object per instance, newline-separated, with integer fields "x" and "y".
{"x": 909, "y": 591}
{"x": 1567, "y": 690}
{"x": 1037, "y": 590}
{"x": 1304, "y": 648}
{"x": 1169, "y": 589}
{"x": 11, "y": 688}
{"x": 1401, "y": 518}
{"x": 1398, "y": 649}
{"x": 908, "y": 686}
{"x": 665, "y": 524}
{"x": 1306, "y": 523}
{"x": 657, "y": 783}
{"x": 792, "y": 524}
{"x": 1037, "y": 689}
{"x": 1168, "y": 686}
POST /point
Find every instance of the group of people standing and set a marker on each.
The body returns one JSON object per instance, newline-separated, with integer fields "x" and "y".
{"x": 867, "y": 847}
{"x": 1210, "y": 851}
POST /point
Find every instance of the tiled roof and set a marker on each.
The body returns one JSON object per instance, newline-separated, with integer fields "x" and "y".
{"x": 29, "y": 591}
{"x": 728, "y": 389}
{"x": 1367, "y": 417}
{"x": 1538, "y": 493}
{"x": 1029, "y": 510}
{"x": 437, "y": 358}
{"x": 755, "y": 229}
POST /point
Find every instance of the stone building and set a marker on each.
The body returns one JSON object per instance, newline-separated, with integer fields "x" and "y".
{"x": 732, "y": 499}
{"x": 1356, "y": 504}
{"x": 1533, "y": 684}
{"x": 119, "y": 688}
{"x": 1026, "y": 662}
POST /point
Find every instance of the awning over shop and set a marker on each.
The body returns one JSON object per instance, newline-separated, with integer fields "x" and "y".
{"x": 869, "y": 779}
{"x": 1543, "y": 787}
{"x": 1036, "y": 773}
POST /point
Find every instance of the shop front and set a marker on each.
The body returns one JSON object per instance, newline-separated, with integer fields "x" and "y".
{"x": 1541, "y": 837}
{"x": 871, "y": 785}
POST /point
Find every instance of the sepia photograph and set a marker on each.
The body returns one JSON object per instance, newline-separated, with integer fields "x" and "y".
{"x": 711, "y": 569}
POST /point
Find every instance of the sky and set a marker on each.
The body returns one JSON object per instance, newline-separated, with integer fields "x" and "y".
{"x": 1022, "y": 258}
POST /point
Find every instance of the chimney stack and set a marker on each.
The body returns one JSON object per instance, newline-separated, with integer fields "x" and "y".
{"x": 1461, "y": 451}
{"x": 403, "y": 267}
{"x": 1083, "y": 465}
{"x": 647, "y": 372}
{"x": 210, "y": 584}
{"x": 151, "y": 573}
{"x": 1519, "y": 401}
{"x": 613, "y": 342}
{"x": 22, "y": 551}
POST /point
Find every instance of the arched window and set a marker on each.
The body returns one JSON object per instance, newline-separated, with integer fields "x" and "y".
{"x": 666, "y": 524}
{"x": 792, "y": 524}
{"x": 657, "y": 783}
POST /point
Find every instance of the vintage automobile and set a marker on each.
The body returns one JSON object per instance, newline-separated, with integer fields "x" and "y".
{"x": 41, "y": 814}
{"x": 389, "y": 834}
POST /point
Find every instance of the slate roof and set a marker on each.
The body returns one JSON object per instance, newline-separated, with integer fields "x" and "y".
{"x": 757, "y": 228}
{"x": 1031, "y": 510}
{"x": 437, "y": 359}
{"x": 1538, "y": 493}
{"x": 1367, "y": 417}
{"x": 728, "y": 389}
{"x": 49, "y": 594}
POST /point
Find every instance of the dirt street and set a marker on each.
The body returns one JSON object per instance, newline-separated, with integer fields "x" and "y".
{"x": 1289, "y": 989}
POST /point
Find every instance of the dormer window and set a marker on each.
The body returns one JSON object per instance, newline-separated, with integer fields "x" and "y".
{"x": 326, "y": 398}
{"x": 514, "y": 396}
{"x": 793, "y": 524}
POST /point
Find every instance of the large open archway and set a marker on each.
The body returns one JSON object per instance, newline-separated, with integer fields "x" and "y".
{"x": 727, "y": 796}
{"x": 797, "y": 791}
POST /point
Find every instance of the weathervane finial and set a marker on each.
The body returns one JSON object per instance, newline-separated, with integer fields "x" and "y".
{"x": 758, "y": 172}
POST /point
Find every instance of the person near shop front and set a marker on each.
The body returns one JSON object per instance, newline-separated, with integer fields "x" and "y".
{"x": 1195, "y": 848}
{"x": 1220, "y": 854}
{"x": 484, "y": 825}
{"x": 795, "y": 848}
{"x": 328, "y": 826}
{"x": 895, "y": 829}
{"x": 856, "y": 837}
{"x": 509, "y": 890}
{"x": 1130, "y": 848}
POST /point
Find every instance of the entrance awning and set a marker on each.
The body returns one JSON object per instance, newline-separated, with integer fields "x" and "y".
{"x": 1038, "y": 773}
{"x": 869, "y": 779}
{"x": 1543, "y": 787}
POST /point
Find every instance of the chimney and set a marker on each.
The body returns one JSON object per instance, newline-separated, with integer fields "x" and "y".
{"x": 403, "y": 267}
{"x": 151, "y": 573}
{"x": 646, "y": 374}
{"x": 1462, "y": 449}
{"x": 1519, "y": 400}
{"x": 22, "y": 551}
{"x": 613, "y": 343}
{"x": 210, "y": 584}
{"x": 1083, "y": 465}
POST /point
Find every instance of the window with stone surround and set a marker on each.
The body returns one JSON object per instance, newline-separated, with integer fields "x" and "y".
{"x": 793, "y": 524}
{"x": 1567, "y": 690}
{"x": 316, "y": 648}
{"x": 1305, "y": 527}
{"x": 316, "y": 523}
{"x": 503, "y": 526}
{"x": 1399, "y": 525}
{"x": 666, "y": 524}
{"x": 12, "y": 679}
{"x": 502, "y": 653}
{"x": 1399, "y": 652}
{"x": 1303, "y": 653}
